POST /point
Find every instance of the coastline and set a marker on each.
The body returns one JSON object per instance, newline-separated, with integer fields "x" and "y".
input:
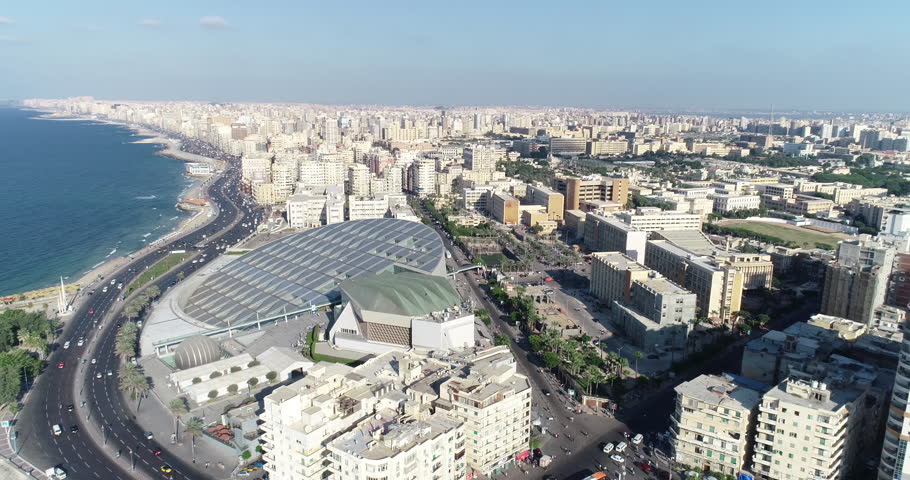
{"x": 75, "y": 289}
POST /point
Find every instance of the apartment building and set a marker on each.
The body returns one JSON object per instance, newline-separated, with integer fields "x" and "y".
{"x": 478, "y": 157}
{"x": 504, "y": 208}
{"x": 713, "y": 424}
{"x": 319, "y": 173}
{"x": 658, "y": 316}
{"x": 729, "y": 203}
{"x": 609, "y": 234}
{"x": 798, "y": 205}
{"x": 808, "y": 429}
{"x": 399, "y": 415}
{"x": 857, "y": 282}
{"x": 554, "y": 202}
{"x": 363, "y": 208}
{"x": 592, "y": 188}
{"x": 567, "y": 146}
{"x": 477, "y": 197}
{"x": 719, "y": 287}
{"x": 652, "y": 219}
{"x": 305, "y": 210}
{"x": 612, "y": 275}
{"x": 895, "y": 460}
{"x": 494, "y": 402}
{"x": 383, "y": 447}
{"x": 757, "y": 269}
{"x": 255, "y": 169}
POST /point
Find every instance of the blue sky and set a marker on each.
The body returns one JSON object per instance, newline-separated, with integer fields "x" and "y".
{"x": 806, "y": 55}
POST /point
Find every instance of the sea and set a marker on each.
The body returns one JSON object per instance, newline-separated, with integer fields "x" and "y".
{"x": 77, "y": 193}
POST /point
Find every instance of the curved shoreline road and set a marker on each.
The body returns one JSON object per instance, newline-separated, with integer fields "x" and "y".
{"x": 84, "y": 454}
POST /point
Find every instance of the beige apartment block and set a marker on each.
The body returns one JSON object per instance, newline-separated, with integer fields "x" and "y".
{"x": 554, "y": 202}
{"x": 504, "y": 208}
{"x": 810, "y": 430}
{"x": 712, "y": 426}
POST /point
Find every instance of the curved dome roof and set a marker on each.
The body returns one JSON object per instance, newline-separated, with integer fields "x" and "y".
{"x": 195, "y": 351}
{"x": 292, "y": 273}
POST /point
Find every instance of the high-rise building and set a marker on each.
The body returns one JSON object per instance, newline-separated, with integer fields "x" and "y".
{"x": 478, "y": 157}
{"x": 857, "y": 282}
{"x": 306, "y": 210}
{"x": 808, "y": 429}
{"x": 895, "y": 459}
{"x": 713, "y": 423}
{"x": 358, "y": 181}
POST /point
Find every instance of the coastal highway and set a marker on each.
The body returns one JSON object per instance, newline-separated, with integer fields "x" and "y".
{"x": 90, "y": 451}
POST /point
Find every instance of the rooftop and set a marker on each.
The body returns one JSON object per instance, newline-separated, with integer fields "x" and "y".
{"x": 405, "y": 293}
{"x": 728, "y": 390}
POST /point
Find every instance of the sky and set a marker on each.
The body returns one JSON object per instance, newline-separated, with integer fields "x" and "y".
{"x": 660, "y": 55}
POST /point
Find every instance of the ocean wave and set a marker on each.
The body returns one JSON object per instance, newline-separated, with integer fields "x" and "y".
{"x": 147, "y": 234}
{"x": 147, "y": 197}
{"x": 112, "y": 252}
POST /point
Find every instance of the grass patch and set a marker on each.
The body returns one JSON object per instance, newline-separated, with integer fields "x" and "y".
{"x": 318, "y": 357}
{"x": 157, "y": 270}
{"x": 799, "y": 236}
{"x": 492, "y": 259}
{"x": 236, "y": 252}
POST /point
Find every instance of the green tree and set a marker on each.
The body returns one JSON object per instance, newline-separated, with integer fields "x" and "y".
{"x": 232, "y": 388}
{"x": 500, "y": 339}
{"x": 213, "y": 394}
{"x": 215, "y": 374}
{"x": 252, "y": 382}
{"x": 196, "y": 380}
{"x": 10, "y": 384}
{"x": 271, "y": 376}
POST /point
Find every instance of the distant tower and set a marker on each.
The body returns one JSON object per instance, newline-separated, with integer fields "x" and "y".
{"x": 63, "y": 306}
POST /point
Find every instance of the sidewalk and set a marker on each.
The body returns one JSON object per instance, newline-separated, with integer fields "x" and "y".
{"x": 13, "y": 466}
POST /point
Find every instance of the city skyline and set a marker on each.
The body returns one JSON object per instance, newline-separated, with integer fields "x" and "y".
{"x": 709, "y": 57}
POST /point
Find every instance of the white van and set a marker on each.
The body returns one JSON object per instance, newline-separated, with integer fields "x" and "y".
{"x": 637, "y": 439}
{"x": 608, "y": 448}
{"x": 57, "y": 430}
{"x": 621, "y": 446}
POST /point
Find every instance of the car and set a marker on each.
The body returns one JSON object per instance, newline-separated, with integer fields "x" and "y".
{"x": 637, "y": 439}
{"x": 113, "y": 281}
{"x": 80, "y": 342}
{"x": 70, "y": 408}
{"x": 663, "y": 475}
{"x": 644, "y": 466}
{"x": 166, "y": 468}
{"x": 98, "y": 375}
{"x": 94, "y": 361}
{"x": 91, "y": 311}
{"x": 621, "y": 446}
{"x": 608, "y": 447}
{"x": 61, "y": 365}
{"x": 546, "y": 392}
{"x": 149, "y": 436}
{"x": 104, "y": 290}
{"x": 250, "y": 469}
{"x": 56, "y": 429}
{"x": 74, "y": 429}
{"x": 156, "y": 452}
{"x": 66, "y": 345}
{"x": 617, "y": 458}
{"x": 110, "y": 373}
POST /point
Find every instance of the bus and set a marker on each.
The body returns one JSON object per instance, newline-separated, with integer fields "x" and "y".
{"x": 596, "y": 476}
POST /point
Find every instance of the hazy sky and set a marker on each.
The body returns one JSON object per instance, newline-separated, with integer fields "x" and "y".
{"x": 829, "y": 55}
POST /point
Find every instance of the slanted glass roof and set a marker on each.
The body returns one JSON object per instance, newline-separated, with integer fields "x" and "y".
{"x": 290, "y": 273}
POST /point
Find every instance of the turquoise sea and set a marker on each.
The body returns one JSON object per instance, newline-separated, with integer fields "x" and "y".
{"x": 74, "y": 194}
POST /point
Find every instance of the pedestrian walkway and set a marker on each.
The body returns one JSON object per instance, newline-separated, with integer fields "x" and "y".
{"x": 13, "y": 466}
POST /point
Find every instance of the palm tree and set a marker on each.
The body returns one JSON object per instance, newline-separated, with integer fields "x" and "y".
{"x": 638, "y": 356}
{"x": 137, "y": 385}
{"x": 127, "y": 369}
{"x": 177, "y": 407}
{"x": 125, "y": 348}
{"x": 194, "y": 428}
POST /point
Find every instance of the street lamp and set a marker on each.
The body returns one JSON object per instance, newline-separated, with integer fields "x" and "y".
{"x": 132, "y": 460}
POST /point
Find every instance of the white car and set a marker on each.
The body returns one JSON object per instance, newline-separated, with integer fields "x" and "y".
{"x": 56, "y": 429}
{"x": 637, "y": 439}
{"x": 621, "y": 446}
{"x": 94, "y": 361}
{"x": 617, "y": 458}
{"x": 608, "y": 448}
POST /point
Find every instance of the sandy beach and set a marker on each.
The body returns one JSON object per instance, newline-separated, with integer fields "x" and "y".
{"x": 46, "y": 298}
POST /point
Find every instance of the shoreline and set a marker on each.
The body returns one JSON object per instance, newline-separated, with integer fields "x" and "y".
{"x": 85, "y": 279}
